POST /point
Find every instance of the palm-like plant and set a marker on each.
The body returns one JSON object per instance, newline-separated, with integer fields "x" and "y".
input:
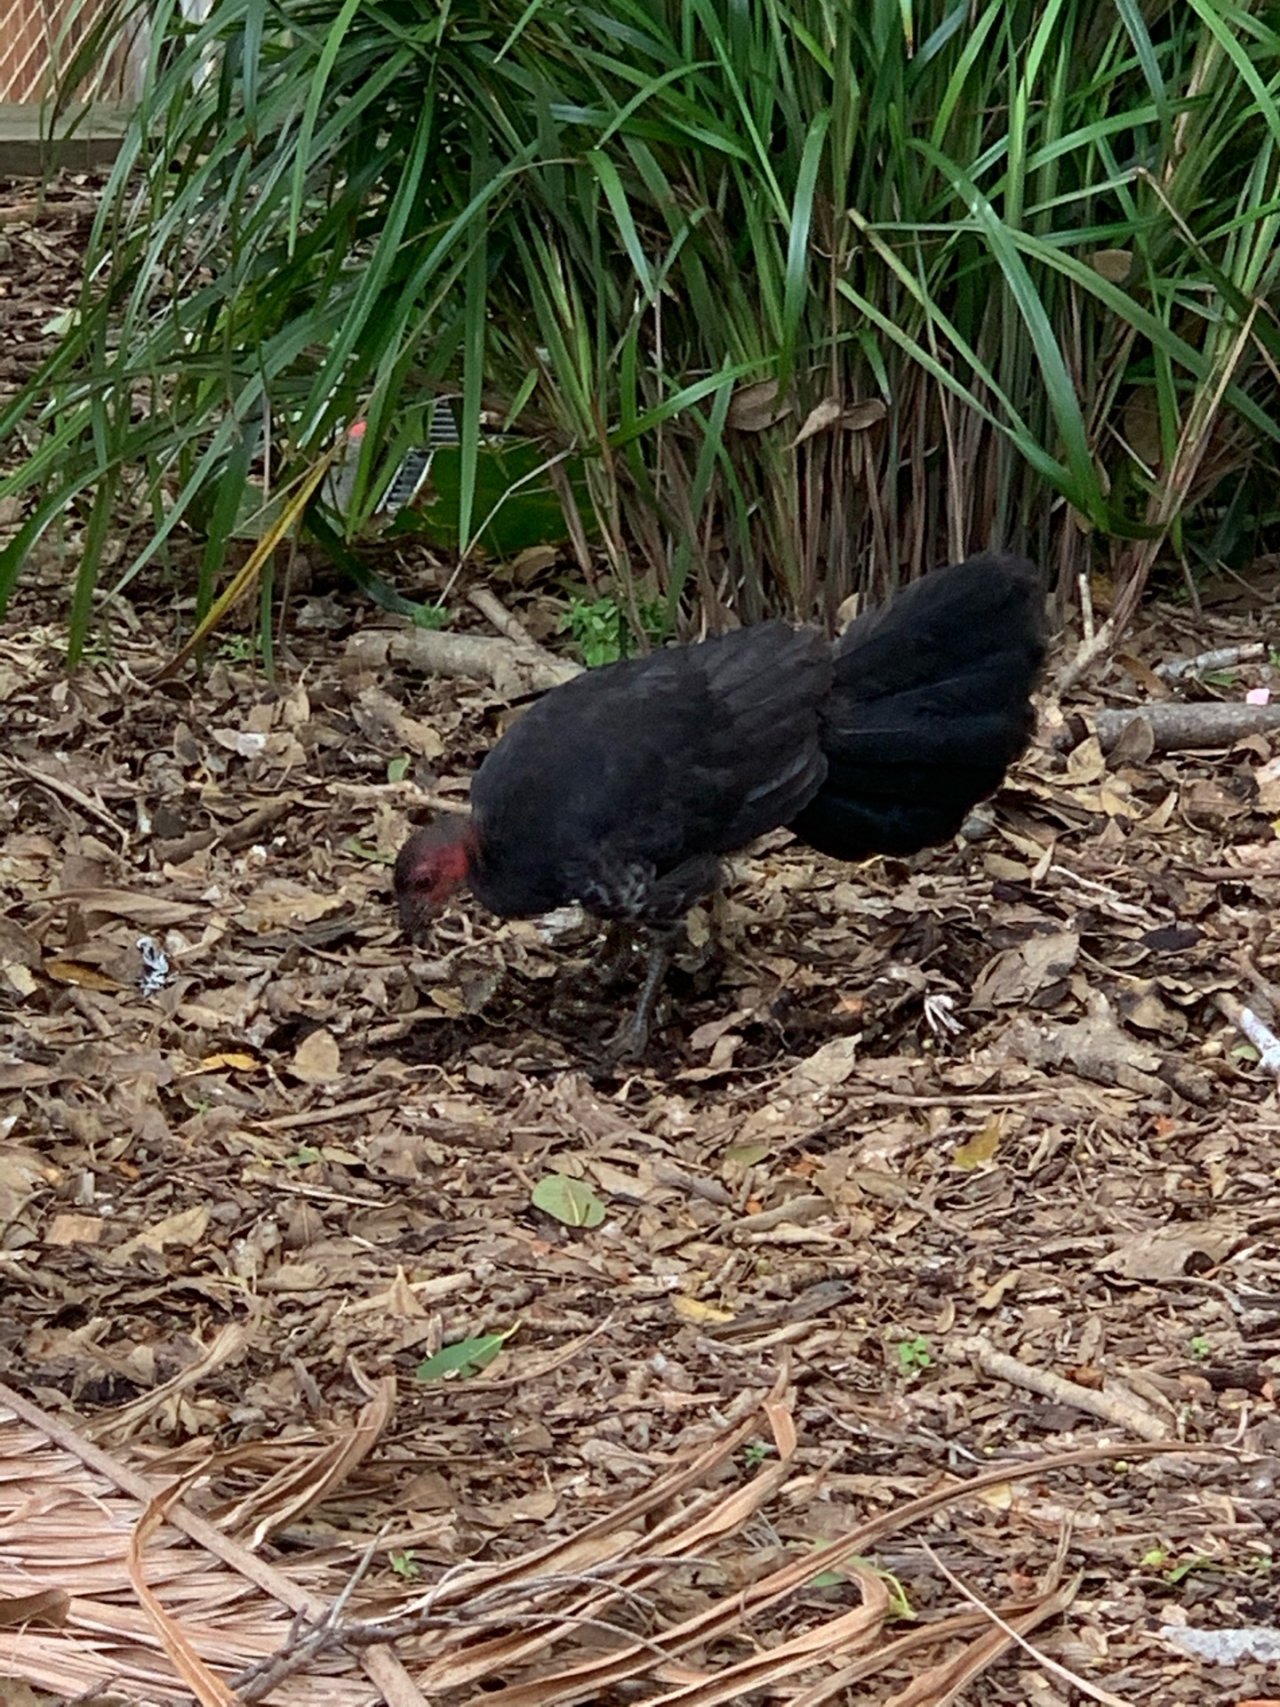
{"x": 807, "y": 291}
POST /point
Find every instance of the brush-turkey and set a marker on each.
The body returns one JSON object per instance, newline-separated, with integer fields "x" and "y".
{"x": 624, "y": 788}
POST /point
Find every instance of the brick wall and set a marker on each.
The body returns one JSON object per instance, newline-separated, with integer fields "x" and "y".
{"x": 32, "y": 32}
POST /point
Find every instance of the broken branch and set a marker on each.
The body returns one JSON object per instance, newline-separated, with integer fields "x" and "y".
{"x": 512, "y": 669}
{"x": 1114, "y": 1408}
{"x": 1219, "y": 658}
{"x": 1174, "y": 727}
{"x": 493, "y": 610}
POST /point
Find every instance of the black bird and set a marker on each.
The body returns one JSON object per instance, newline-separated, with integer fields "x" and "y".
{"x": 624, "y": 788}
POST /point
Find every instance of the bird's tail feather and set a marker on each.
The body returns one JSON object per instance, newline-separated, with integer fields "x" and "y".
{"x": 929, "y": 705}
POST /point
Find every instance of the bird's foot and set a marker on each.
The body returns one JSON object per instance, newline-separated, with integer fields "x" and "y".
{"x": 629, "y": 1043}
{"x": 632, "y": 1041}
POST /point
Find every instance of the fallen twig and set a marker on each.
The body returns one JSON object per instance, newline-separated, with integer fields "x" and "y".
{"x": 1218, "y": 658}
{"x": 512, "y": 669}
{"x": 493, "y": 610}
{"x": 44, "y": 212}
{"x": 1174, "y": 727}
{"x": 1084, "y": 590}
{"x": 503, "y": 1608}
{"x": 236, "y": 837}
{"x": 1114, "y": 1408}
{"x": 1090, "y": 649}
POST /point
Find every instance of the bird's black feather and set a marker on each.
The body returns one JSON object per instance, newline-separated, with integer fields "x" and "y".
{"x": 929, "y": 706}
{"x": 623, "y": 787}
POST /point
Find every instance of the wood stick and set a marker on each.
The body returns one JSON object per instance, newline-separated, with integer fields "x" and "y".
{"x": 1175, "y": 727}
{"x": 473, "y": 656}
{"x": 1219, "y": 658}
{"x": 42, "y": 211}
{"x": 494, "y": 611}
{"x": 1112, "y": 1408}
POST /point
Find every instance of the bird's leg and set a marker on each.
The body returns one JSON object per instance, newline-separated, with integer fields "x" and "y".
{"x": 633, "y": 1039}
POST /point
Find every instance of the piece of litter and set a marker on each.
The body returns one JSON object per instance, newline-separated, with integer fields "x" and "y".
{"x": 156, "y": 971}
{"x": 1258, "y": 696}
{"x": 1226, "y": 1647}
{"x": 938, "y": 1014}
{"x": 564, "y": 920}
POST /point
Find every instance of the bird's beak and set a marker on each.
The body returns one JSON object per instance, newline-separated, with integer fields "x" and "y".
{"x": 416, "y": 913}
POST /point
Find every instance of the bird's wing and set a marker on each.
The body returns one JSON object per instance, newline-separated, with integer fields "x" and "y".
{"x": 759, "y": 758}
{"x": 653, "y": 762}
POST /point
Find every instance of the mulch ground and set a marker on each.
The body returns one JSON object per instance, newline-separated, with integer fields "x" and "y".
{"x": 958, "y": 1158}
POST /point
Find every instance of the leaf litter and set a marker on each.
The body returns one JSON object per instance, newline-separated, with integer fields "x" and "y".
{"x": 364, "y": 1339}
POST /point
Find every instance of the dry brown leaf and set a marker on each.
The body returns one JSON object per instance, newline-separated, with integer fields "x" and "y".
{"x": 280, "y": 901}
{"x": 694, "y": 1310}
{"x": 975, "y": 1152}
{"x": 186, "y": 1227}
{"x": 1113, "y": 264}
{"x": 827, "y": 1067}
{"x": 64, "y": 971}
{"x": 317, "y": 1059}
{"x": 139, "y": 909}
{"x": 1017, "y": 974}
{"x": 1267, "y": 781}
{"x": 22, "y": 1173}
{"x": 1147, "y": 1012}
{"x": 820, "y": 419}
{"x": 859, "y": 416}
{"x": 1086, "y": 763}
{"x": 1163, "y": 1253}
{"x": 45, "y": 1606}
{"x": 227, "y": 1060}
{"x": 70, "y": 1228}
{"x": 18, "y": 947}
{"x": 755, "y": 407}
{"x": 1206, "y": 801}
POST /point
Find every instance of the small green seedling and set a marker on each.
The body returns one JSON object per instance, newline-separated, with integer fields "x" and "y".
{"x": 900, "y": 1606}
{"x": 914, "y": 1356}
{"x": 603, "y": 631}
{"x": 1158, "y": 1558}
{"x": 434, "y": 617}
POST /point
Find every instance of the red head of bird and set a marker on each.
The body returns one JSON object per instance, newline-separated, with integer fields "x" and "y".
{"x": 431, "y": 866}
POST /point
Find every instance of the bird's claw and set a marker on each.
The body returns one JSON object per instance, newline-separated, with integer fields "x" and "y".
{"x": 629, "y": 1044}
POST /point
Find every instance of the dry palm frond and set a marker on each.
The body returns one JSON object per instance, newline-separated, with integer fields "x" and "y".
{"x": 110, "y": 1582}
